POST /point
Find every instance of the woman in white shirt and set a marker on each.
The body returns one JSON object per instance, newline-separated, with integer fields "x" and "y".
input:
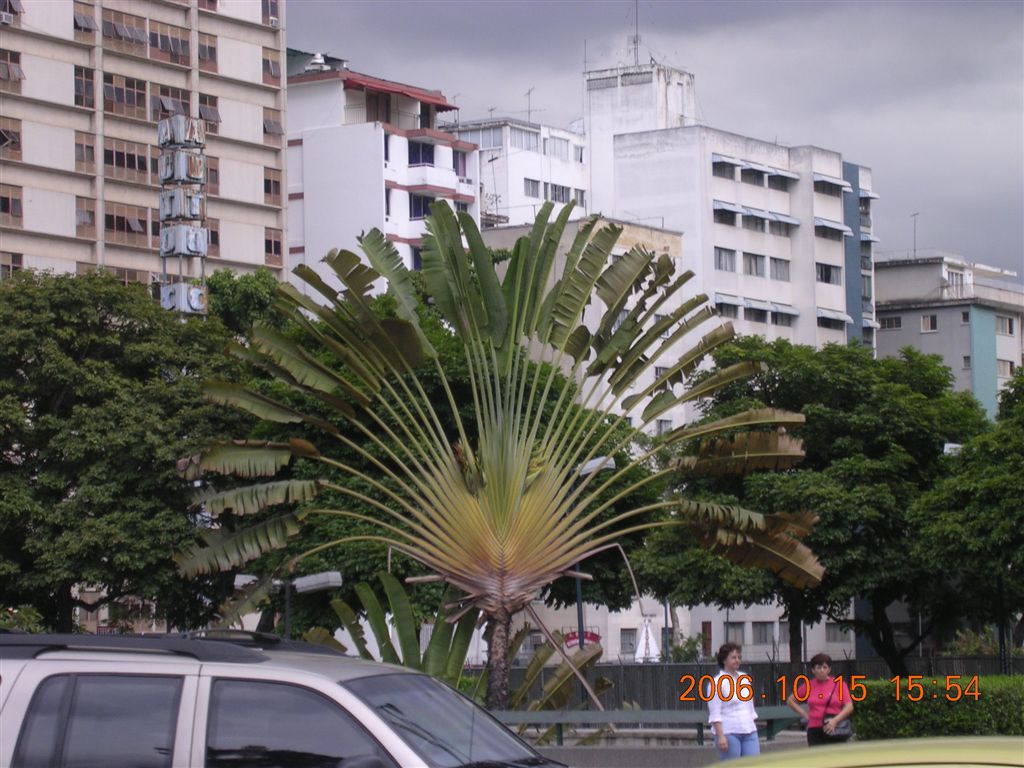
{"x": 733, "y": 720}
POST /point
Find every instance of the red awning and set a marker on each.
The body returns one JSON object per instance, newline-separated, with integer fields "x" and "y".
{"x": 359, "y": 82}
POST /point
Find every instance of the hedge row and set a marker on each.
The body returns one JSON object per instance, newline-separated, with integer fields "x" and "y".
{"x": 998, "y": 710}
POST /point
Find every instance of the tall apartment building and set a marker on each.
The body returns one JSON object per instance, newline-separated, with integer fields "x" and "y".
{"x": 775, "y": 234}
{"x": 365, "y": 152}
{"x": 82, "y": 86}
{"x": 968, "y": 313}
{"x": 522, "y": 164}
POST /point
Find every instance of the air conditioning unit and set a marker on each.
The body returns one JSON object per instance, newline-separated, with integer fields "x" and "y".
{"x": 182, "y": 167}
{"x": 274, "y": 22}
{"x": 178, "y": 204}
{"x": 6, "y": 18}
{"x": 181, "y": 130}
{"x": 183, "y": 297}
{"x": 183, "y": 240}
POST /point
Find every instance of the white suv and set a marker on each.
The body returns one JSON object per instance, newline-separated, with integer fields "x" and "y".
{"x": 82, "y": 701}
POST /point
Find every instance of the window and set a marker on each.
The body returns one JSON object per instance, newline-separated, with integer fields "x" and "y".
{"x": 101, "y": 720}
{"x": 272, "y": 67}
{"x": 11, "y": 73}
{"x": 728, "y": 310}
{"x": 531, "y": 187}
{"x": 779, "y": 269}
{"x": 832, "y": 324}
{"x": 750, "y": 176}
{"x": 300, "y": 726}
{"x": 663, "y": 426}
{"x": 461, "y": 207}
{"x": 753, "y": 264}
{"x": 521, "y": 139}
{"x": 10, "y": 206}
{"x": 387, "y": 147}
{"x": 212, "y": 175}
{"x": 753, "y": 223}
{"x": 387, "y": 201}
{"x": 723, "y": 216}
{"x": 581, "y": 198}
{"x": 273, "y": 128}
{"x": 557, "y": 193}
{"x": 627, "y": 640}
{"x": 967, "y": 362}
{"x": 836, "y": 633}
{"x": 828, "y": 273}
{"x": 783, "y": 633}
{"x": 154, "y": 229}
{"x": 725, "y": 260}
{"x": 577, "y": 152}
{"x": 213, "y": 237}
{"x": 828, "y": 188}
{"x": 1004, "y": 368}
{"x": 965, "y": 317}
{"x": 378, "y": 107}
{"x": 207, "y": 52}
{"x": 929, "y": 323}
{"x": 166, "y": 101}
{"x": 419, "y": 206}
{"x": 271, "y": 12}
{"x": 85, "y": 217}
{"x": 723, "y": 171}
{"x": 210, "y": 112}
{"x": 124, "y": 96}
{"x": 955, "y": 283}
{"x": 484, "y": 138}
{"x": 667, "y": 332}
{"x": 734, "y": 632}
{"x": 829, "y": 233}
{"x": 208, "y": 5}
{"x": 85, "y": 89}
{"x": 10, "y": 138}
{"x": 13, "y": 7}
{"x": 890, "y": 323}
{"x": 85, "y": 23}
{"x": 781, "y": 183}
{"x": 427, "y": 115}
{"x": 85, "y": 152}
{"x": 9, "y": 263}
{"x": 168, "y": 43}
{"x": 557, "y": 148}
{"x": 126, "y": 160}
{"x": 271, "y": 186}
{"x": 459, "y": 163}
{"x": 420, "y": 153}
{"x": 752, "y": 315}
{"x": 782, "y": 319}
{"x": 866, "y": 290}
{"x": 1004, "y": 324}
{"x": 125, "y": 224}
{"x": 124, "y": 32}
{"x": 273, "y": 256}
{"x": 659, "y": 371}
{"x": 416, "y": 256}
{"x": 780, "y": 228}
{"x": 763, "y": 634}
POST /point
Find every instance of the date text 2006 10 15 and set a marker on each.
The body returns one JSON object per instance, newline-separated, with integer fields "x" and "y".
{"x": 951, "y": 688}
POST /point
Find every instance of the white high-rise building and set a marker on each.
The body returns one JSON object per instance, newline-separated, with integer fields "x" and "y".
{"x": 365, "y": 152}
{"x": 82, "y": 86}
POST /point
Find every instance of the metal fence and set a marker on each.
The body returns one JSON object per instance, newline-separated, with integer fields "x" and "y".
{"x": 658, "y": 686}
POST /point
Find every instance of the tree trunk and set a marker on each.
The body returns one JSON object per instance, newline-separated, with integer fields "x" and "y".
{"x": 65, "y": 609}
{"x": 884, "y": 643}
{"x": 796, "y": 640}
{"x": 497, "y": 656}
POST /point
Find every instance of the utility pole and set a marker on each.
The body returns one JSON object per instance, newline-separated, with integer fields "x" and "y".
{"x": 528, "y": 109}
{"x": 914, "y": 217}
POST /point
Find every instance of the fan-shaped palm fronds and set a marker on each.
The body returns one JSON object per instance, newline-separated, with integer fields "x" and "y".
{"x": 503, "y": 515}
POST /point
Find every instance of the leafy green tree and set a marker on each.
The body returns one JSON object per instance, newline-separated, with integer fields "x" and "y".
{"x": 874, "y": 440}
{"x": 241, "y": 300}
{"x": 973, "y": 520}
{"x": 497, "y": 510}
{"x": 99, "y": 393}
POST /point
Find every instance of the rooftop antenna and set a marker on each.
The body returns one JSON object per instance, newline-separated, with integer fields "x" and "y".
{"x": 914, "y": 217}
{"x": 490, "y": 112}
{"x": 635, "y": 40}
{"x": 528, "y": 110}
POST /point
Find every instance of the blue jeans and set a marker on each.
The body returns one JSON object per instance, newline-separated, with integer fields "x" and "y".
{"x": 740, "y": 745}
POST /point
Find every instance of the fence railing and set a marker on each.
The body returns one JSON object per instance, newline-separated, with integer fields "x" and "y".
{"x": 657, "y": 686}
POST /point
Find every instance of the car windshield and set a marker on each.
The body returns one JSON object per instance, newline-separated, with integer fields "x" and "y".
{"x": 445, "y": 728}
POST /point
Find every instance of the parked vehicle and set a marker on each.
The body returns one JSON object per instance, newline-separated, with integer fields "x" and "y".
{"x": 259, "y": 702}
{"x": 945, "y": 752}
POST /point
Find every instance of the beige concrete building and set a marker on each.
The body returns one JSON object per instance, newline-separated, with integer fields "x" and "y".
{"x": 82, "y": 86}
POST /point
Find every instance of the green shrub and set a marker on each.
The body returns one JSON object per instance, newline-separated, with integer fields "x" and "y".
{"x": 998, "y": 710}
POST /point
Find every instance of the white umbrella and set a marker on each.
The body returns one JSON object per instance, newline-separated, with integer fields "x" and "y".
{"x": 647, "y": 645}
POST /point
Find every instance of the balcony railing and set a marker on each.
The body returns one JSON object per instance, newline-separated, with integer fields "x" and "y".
{"x": 865, "y": 222}
{"x": 865, "y": 262}
{"x": 356, "y": 113}
{"x": 1011, "y": 296}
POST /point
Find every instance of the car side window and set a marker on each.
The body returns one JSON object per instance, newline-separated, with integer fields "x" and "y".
{"x": 100, "y": 721}
{"x": 277, "y": 725}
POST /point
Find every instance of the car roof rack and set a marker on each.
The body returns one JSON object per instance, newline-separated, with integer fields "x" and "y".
{"x": 263, "y": 641}
{"x": 27, "y": 646}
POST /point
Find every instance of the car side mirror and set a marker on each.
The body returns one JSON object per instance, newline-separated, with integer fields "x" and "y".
{"x": 362, "y": 761}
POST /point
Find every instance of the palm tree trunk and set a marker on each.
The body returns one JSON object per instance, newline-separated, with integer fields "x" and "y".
{"x": 497, "y": 655}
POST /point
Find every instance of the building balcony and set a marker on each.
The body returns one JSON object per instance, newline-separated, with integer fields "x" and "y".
{"x": 865, "y": 222}
{"x": 428, "y": 175}
{"x": 1007, "y": 297}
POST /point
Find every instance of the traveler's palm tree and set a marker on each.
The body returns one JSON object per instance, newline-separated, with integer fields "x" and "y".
{"x": 503, "y": 515}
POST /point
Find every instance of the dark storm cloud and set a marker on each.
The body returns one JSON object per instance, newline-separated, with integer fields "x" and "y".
{"x": 930, "y": 95}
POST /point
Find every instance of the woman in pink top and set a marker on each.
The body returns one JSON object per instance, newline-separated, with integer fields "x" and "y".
{"x": 828, "y": 703}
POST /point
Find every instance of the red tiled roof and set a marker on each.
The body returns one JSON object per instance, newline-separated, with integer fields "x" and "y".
{"x": 357, "y": 81}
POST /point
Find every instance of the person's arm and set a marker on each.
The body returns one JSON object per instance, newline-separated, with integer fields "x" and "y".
{"x": 793, "y": 704}
{"x": 715, "y": 718}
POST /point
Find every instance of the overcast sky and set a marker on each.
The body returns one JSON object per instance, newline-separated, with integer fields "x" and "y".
{"x": 929, "y": 95}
